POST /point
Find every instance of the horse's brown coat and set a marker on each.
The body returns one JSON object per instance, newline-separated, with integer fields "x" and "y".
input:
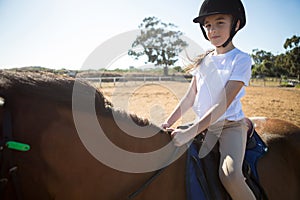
{"x": 58, "y": 166}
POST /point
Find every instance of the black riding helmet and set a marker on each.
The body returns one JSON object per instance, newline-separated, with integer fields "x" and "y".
{"x": 232, "y": 7}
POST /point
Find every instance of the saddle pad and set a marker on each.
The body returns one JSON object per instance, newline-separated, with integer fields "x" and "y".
{"x": 193, "y": 187}
{"x": 252, "y": 155}
{"x": 196, "y": 184}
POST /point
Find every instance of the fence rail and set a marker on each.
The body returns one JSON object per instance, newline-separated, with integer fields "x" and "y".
{"x": 116, "y": 79}
{"x": 265, "y": 82}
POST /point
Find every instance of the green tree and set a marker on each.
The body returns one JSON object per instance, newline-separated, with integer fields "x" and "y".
{"x": 285, "y": 64}
{"x": 178, "y": 69}
{"x": 263, "y": 63}
{"x": 293, "y": 55}
{"x": 281, "y": 63}
{"x": 159, "y": 41}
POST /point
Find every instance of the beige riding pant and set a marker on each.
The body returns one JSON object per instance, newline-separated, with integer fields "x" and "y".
{"x": 232, "y": 136}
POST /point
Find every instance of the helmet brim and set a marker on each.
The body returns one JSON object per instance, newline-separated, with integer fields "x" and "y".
{"x": 200, "y": 18}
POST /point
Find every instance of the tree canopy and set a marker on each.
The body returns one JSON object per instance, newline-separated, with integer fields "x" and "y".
{"x": 284, "y": 64}
{"x": 159, "y": 41}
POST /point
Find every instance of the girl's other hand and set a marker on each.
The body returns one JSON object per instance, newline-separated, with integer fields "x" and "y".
{"x": 181, "y": 137}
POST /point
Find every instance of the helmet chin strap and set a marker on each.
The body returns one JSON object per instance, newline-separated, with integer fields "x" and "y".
{"x": 204, "y": 32}
{"x": 232, "y": 33}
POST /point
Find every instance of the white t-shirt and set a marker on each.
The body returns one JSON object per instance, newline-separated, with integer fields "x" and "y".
{"x": 211, "y": 77}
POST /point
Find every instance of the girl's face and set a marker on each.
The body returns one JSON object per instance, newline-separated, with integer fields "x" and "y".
{"x": 218, "y": 28}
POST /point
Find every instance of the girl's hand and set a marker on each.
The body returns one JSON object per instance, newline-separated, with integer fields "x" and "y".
{"x": 181, "y": 137}
{"x": 165, "y": 125}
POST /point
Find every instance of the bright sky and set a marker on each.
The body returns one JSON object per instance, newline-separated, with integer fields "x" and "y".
{"x": 63, "y": 33}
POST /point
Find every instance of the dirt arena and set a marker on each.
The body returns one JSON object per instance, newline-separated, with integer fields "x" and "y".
{"x": 155, "y": 101}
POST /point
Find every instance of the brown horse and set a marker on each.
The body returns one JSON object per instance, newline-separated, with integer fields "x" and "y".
{"x": 59, "y": 165}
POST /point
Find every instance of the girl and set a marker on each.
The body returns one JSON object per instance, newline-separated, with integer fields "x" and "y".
{"x": 215, "y": 92}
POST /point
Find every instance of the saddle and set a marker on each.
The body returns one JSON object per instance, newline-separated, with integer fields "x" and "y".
{"x": 202, "y": 179}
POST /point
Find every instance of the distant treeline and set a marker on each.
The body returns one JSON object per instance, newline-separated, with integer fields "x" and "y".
{"x": 283, "y": 65}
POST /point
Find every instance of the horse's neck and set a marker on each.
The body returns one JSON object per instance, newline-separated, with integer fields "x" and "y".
{"x": 146, "y": 140}
{"x": 126, "y": 134}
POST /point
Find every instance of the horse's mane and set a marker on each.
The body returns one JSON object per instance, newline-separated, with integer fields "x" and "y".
{"x": 56, "y": 88}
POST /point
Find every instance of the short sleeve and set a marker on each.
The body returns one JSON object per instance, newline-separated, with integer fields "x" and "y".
{"x": 241, "y": 69}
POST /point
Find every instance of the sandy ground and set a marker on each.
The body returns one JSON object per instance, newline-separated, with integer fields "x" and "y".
{"x": 155, "y": 101}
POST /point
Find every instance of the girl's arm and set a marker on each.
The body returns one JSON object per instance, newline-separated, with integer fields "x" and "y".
{"x": 186, "y": 102}
{"x": 232, "y": 88}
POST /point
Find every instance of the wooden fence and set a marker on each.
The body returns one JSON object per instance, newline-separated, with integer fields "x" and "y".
{"x": 114, "y": 80}
{"x": 262, "y": 82}
{"x": 266, "y": 82}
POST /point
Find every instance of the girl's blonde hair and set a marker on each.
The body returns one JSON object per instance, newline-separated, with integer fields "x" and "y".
{"x": 197, "y": 61}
